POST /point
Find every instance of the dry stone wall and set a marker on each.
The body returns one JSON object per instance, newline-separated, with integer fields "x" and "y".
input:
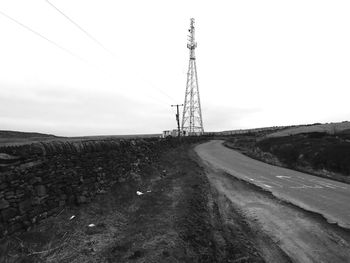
{"x": 45, "y": 177}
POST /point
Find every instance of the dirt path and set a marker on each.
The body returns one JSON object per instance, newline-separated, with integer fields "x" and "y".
{"x": 303, "y": 236}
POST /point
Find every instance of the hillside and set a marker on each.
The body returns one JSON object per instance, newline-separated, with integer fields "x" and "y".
{"x": 329, "y": 128}
{"x": 17, "y": 134}
{"x": 8, "y": 137}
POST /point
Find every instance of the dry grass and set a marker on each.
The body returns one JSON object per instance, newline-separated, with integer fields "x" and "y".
{"x": 60, "y": 239}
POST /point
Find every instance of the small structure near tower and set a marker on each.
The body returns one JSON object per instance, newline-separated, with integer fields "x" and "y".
{"x": 192, "y": 123}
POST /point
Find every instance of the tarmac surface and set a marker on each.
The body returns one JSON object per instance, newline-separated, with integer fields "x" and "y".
{"x": 327, "y": 197}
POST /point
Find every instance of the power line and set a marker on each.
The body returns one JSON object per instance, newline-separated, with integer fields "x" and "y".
{"x": 164, "y": 94}
{"x": 80, "y": 28}
{"x": 98, "y": 42}
{"x": 67, "y": 50}
{"x": 43, "y": 37}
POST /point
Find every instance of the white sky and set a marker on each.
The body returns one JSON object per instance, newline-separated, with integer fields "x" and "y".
{"x": 260, "y": 63}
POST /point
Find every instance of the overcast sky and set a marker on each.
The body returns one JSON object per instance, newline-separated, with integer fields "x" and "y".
{"x": 260, "y": 63}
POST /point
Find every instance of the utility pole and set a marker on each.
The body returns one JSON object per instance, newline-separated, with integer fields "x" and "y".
{"x": 177, "y": 117}
{"x": 192, "y": 123}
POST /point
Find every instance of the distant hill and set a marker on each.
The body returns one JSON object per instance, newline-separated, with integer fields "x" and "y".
{"x": 14, "y": 137}
{"x": 17, "y": 134}
{"x": 103, "y": 137}
{"x": 329, "y": 128}
{"x": 8, "y": 138}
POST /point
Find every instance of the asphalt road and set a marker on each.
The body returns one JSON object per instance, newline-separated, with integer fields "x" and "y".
{"x": 327, "y": 197}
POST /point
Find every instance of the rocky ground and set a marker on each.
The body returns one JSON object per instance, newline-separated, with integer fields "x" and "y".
{"x": 167, "y": 212}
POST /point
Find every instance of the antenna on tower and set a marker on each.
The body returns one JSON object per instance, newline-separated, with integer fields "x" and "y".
{"x": 192, "y": 123}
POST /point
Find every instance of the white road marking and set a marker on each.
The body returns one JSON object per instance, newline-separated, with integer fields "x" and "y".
{"x": 306, "y": 186}
{"x": 329, "y": 185}
{"x": 274, "y": 183}
{"x": 320, "y": 181}
{"x": 298, "y": 184}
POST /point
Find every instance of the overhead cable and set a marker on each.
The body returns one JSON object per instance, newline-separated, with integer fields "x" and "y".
{"x": 99, "y": 43}
{"x": 42, "y": 36}
{"x": 79, "y": 27}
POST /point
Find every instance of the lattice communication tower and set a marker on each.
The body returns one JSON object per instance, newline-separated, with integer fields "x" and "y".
{"x": 192, "y": 123}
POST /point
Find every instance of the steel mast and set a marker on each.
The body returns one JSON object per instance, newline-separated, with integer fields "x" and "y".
{"x": 192, "y": 123}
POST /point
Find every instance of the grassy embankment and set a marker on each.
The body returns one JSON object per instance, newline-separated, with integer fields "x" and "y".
{"x": 318, "y": 153}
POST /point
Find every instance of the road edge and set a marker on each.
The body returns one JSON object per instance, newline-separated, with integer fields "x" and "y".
{"x": 329, "y": 219}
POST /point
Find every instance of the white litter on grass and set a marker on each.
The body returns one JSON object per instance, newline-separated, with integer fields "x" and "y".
{"x": 148, "y": 191}
{"x": 282, "y": 176}
{"x": 72, "y": 217}
{"x": 139, "y": 193}
{"x": 91, "y": 225}
{"x": 266, "y": 185}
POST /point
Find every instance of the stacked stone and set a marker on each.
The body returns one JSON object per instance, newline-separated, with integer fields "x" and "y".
{"x": 55, "y": 174}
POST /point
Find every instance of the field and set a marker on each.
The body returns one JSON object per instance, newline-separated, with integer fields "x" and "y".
{"x": 15, "y": 137}
{"x": 329, "y": 128}
{"x": 9, "y": 138}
